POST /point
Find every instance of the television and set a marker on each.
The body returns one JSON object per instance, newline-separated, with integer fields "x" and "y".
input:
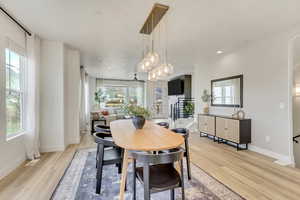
{"x": 176, "y": 87}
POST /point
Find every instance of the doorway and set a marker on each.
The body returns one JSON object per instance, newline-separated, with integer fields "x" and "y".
{"x": 296, "y": 100}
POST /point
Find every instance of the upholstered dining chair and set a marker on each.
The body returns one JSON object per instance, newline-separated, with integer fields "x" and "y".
{"x": 158, "y": 173}
{"x": 164, "y": 124}
{"x": 185, "y": 133}
{"x": 106, "y": 156}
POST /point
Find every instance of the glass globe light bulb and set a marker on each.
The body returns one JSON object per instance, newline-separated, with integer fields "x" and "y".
{"x": 166, "y": 68}
{"x": 171, "y": 68}
{"x": 159, "y": 73}
{"x": 141, "y": 67}
{"x": 153, "y": 57}
{"x": 162, "y": 70}
{"x": 147, "y": 63}
{"x": 149, "y": 77}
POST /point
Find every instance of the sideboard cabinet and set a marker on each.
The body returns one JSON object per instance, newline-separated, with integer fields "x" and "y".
{"x": 207, "y": 124}
{"x": 226, "y": 129}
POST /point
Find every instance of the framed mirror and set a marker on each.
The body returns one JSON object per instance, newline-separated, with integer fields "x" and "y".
{"x": 227, "y": 92}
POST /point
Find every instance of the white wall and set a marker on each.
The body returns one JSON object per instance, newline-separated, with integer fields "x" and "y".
{"x": 12, "y": 152}
{"x": 265, "y": 67}
{"x": 60, "y": 99}
{"x": 72, "y": 96}
{"x": 52, "y": 96}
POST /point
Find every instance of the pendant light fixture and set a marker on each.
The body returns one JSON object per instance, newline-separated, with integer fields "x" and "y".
{"x": 155, "y": 65}
{"x": 152, "y": 56}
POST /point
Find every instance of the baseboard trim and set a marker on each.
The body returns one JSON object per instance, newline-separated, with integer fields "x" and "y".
{"x": 280, "y": 159}
{"x": 11, "y": 167}
{"x": 52, "y": 149}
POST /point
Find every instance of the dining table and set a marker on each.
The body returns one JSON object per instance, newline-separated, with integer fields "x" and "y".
{"x": 151, "y": 137}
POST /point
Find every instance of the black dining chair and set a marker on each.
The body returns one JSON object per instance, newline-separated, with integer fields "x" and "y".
{"x": 103, "y": 131}
{"x": 103, "y": 135}
{"x": 185, "y": 133}
{"x": 158, "y": 173}
{"x": 164, "y": 124}
{"x": 102, "y": 128}
{"x": 106, "y": 156}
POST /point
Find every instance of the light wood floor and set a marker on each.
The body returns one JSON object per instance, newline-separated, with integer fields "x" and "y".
{"x": 251, "y": 175}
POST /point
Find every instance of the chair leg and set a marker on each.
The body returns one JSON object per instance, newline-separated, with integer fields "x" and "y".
{"x": 97, "y": 155}
{"x": 188, "y": 158}
{"x": 172, "y": 194}
{"x": 146, "y": 177}
{"x": 134, "y": 180}
{"x": 182, "y": 180}
{"x": 119, "y": 168}
{"x": 126, "y": 184}
{"x": 99, "y": 169}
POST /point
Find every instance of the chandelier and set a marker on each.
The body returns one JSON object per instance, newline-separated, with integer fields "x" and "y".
{"x": 155, "y": 54}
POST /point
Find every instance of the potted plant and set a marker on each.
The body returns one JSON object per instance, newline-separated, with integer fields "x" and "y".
{"x": 138, "y": 114}
{"x": 206, "y": 97}
{"x": 188, "y": 109}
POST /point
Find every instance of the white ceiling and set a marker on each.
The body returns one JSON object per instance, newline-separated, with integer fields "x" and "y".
{"x": 107, "y": 31}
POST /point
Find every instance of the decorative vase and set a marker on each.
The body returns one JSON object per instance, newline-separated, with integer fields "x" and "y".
{"x": 138, "y": 122}
{"x": 95, "y": 115}
{"x": 206, "y": 109}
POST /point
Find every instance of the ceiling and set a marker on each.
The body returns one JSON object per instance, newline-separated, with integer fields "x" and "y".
{"x": 107, "y": 31}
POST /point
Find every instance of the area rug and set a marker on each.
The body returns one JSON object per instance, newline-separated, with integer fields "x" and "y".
{"x": 79, "y": 183}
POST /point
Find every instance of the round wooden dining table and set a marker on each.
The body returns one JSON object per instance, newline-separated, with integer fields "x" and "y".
{"x": 151, "y": 138}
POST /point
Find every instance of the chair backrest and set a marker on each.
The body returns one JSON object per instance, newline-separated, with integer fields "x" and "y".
{"x": 105, "y": 141}
{"x": 183, "y": 131}
{"x": 161, "y": 158}
{"x": 164, "y": 124}
{"x": 102, "y": 128}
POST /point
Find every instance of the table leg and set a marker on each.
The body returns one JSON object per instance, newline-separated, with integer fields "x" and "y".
{"x": 124, "y": 174}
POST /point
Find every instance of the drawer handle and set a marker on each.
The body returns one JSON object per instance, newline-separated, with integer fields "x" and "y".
{"x": 226, "y": 128}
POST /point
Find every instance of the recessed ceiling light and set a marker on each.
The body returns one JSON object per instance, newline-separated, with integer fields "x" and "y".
{"x": 219, "y": 52}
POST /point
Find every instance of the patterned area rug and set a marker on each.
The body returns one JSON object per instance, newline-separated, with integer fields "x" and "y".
{"x": 79, "y": 183}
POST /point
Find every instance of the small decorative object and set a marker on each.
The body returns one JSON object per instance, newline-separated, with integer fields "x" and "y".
{"x": 138, "y": 122}
{"x": 206, "y": 97}
{"x": 95, "y": 115}
{"x": 105, "y": 113}
{"x": 240, "y": 114}
{"x": 138, "y": 114}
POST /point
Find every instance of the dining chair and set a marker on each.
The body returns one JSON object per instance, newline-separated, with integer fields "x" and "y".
{"x": 185, "y": 133}
{"x": 103, "y": 131}
{"x": 164, "y": 124}
{"x": 102, "y": 128}
{"x": 106, "y": 156}
{"x": 158, "y": 173}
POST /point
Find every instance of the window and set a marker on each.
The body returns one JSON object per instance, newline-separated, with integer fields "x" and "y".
{"x": 114, "y": 94}
{"x": 14, "y": 70}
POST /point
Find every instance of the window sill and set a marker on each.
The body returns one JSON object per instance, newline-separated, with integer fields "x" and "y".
{"x": 14, "y": 136}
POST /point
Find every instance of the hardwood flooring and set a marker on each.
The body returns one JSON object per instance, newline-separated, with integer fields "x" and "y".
{"x": 252, "y": 175}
